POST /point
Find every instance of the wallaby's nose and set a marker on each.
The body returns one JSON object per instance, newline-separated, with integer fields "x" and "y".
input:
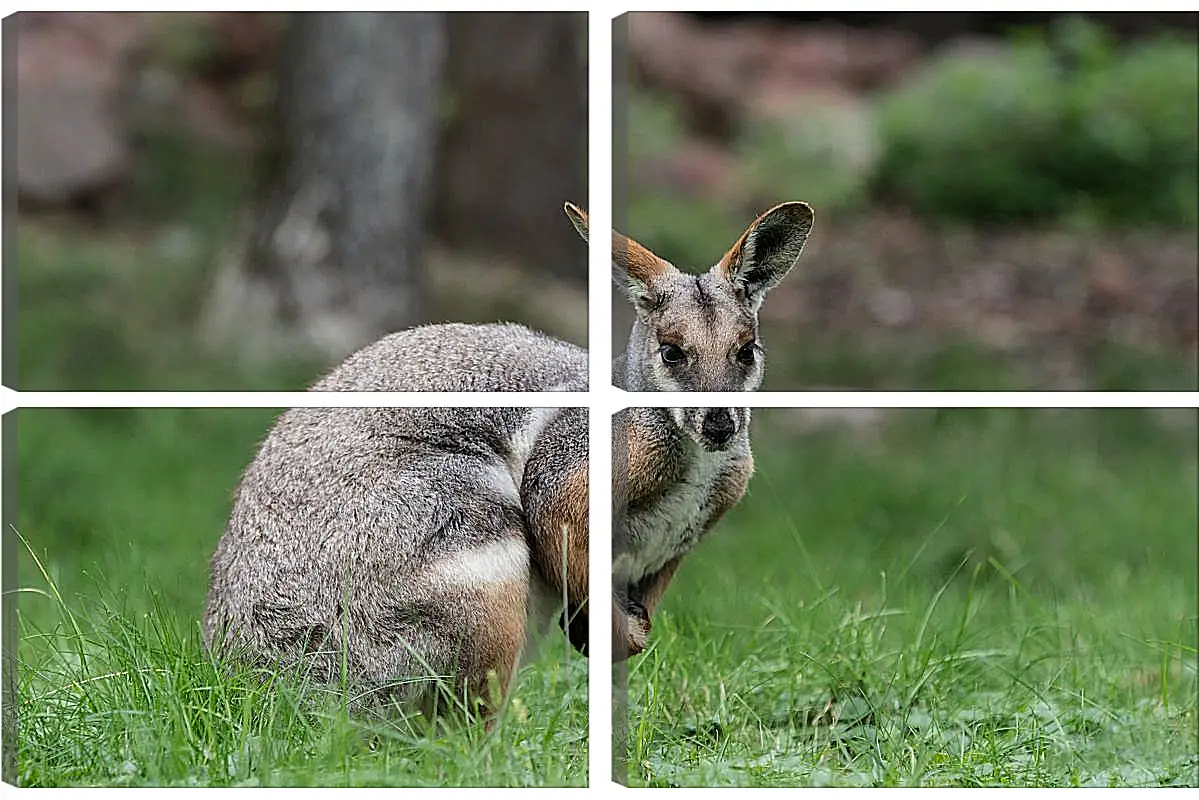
{"x": 719, "y": 426}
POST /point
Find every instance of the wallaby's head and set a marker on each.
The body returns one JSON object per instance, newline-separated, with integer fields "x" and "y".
{"x": 699, "y": 332}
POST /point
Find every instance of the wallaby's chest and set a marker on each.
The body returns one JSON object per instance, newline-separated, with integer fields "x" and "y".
{"x": 673, "y": 498}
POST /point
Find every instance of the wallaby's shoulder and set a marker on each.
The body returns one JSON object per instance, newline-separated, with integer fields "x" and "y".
{"x": 460, "y": 357}
{"x": 657, "y": 456}
{"x": 661, "y": 457}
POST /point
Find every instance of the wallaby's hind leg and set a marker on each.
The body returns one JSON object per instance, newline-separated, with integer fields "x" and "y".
{"x": 458, "y": 633}
{"x": 485, "y": 675}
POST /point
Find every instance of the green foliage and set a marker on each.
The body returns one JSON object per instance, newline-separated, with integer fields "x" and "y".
{"x": 974, "y": 137}
{"x": 180, "y": 181}
{"x": 825, "y": 152}
{"x": 966, "y": 597}
{"x": 1117, "y": 368}
{"x": 655, "y": 127}
{"x": 689, "y": 231}
{"x": 1070, "y": 126}
{"x": 948, "y": 364}
{"x": 120, "y": 309}
{"x": 1137, "y": 134}
{"x": 185, "y": 46}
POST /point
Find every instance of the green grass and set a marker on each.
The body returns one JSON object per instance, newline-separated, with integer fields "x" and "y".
{"x": 121, "y": 510}
{"x": 963, "y": 598}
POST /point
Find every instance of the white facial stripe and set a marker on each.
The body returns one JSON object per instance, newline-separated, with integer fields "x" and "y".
{"x": 669, "y": 384}
{"x": 680, "y": 416}
{"x": 503, "y": 561}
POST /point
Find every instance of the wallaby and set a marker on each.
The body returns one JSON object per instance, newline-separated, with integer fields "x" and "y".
{"x": 678, "y": 470}
{"x": 407, "y": 550}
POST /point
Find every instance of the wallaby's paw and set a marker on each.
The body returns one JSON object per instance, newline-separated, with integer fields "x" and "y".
{"x": 632, "y": 631}
{"x": 638, "y": 632}
{"x": 638, "y": 612}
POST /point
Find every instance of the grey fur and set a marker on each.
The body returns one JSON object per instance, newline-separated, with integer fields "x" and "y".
{"x": 671, "y": 524}
{"x": 456, "y": 357}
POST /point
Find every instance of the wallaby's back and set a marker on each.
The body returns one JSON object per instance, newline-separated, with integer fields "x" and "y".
{"x": 458, "y": 357}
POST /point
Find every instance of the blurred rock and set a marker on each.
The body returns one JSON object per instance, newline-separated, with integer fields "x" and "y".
{"x": 726, "y": 71}
{"x": 88, "y": 84}
{"x": 245, "y": 41}
{"x": 892, "y": 307}
{"x": 841, "y": 56}
{"x": 70, "y": 69}
{"x": 1112, "y": 285}
{"x": 208, "y": 114}
{"x": 673, "y": 52}
{"x": 860, "y": 422}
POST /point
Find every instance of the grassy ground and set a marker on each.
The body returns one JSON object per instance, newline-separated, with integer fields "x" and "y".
{"x": 122, "y": 509}
{"x": 975, "y": 598}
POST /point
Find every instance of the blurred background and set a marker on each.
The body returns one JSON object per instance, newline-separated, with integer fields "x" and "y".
{"x": 1003, "y": 201}
{"x": 239, "y": 200}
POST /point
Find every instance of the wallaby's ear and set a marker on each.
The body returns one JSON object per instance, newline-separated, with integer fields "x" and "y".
{"x": 636, "y": 270}
{"x": 767, "y": 251}
{"x": 578, "y": 218}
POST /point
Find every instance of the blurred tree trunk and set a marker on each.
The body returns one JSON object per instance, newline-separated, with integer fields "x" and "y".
{"x": 515, "y": 147}
{"x": 334, "y": 259}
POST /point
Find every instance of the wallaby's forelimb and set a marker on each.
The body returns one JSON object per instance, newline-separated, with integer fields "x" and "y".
{"x": 649, "y": 591}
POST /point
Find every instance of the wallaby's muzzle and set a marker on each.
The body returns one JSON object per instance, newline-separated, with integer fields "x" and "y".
{"x": 713, "y": 429}
{"x": 718, "y": 427}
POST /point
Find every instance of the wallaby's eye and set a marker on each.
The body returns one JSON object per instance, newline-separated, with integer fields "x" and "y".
{"x": 748, "y": 353}
{"x": 672, "y": 354}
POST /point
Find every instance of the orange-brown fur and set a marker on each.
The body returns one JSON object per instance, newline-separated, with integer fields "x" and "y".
{"x": 732, "y": 258}
{"x": 499, "y": 636}
{"x": 566, "y": 510}
{"x": 649, "y": 469}
{"x": 653, "y": 465}
{"x": 641, "y": 264}
{"x": 726, "y": 493}
{"x": 652, "y": 593}
{"x": 629, "y": 634}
